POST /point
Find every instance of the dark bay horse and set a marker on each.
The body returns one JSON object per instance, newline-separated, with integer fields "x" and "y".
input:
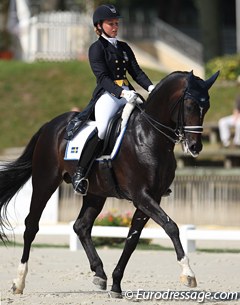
{"x": 144, "y": 168}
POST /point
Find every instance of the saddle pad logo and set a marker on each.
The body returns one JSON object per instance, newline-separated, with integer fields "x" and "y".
{"x": 74, "y": 150}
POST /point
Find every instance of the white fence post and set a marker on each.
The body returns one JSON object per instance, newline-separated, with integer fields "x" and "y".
{"x": 74, "y": 242}
{"x": 188, "y": 244}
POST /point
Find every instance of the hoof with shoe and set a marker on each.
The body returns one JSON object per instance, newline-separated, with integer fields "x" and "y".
{"x": 100, "y": 283}
{"x": 115, "y": 295}
{"x": 16, "y": 290}
{"x": 189, "y": 281}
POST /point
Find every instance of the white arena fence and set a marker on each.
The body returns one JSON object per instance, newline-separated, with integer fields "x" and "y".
{"x": 59, "y": 36}
{"x": 199, "y": 196}
{"x": 188, "y": 234}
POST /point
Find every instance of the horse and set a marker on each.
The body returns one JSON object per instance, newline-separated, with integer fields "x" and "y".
{"x": 143, "y": 171}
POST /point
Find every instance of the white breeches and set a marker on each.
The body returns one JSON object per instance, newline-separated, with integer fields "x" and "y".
{"x": 225, "y": 124}
{"x": 105, "y": 108}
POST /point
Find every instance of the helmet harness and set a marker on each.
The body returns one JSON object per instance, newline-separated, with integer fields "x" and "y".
{"x": 103, "y": 12}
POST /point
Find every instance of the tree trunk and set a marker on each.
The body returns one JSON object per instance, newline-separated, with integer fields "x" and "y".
{"x": 3, "y": 14}
{"x": 210, "y": 27}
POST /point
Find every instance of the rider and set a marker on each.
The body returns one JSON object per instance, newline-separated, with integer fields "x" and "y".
{"x": 110, "y": 59}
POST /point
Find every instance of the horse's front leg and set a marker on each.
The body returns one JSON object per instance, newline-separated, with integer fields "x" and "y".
{"x": 138, "y": 222}
{"x": 152, "y": 209}
{"x": 92, "y": 206}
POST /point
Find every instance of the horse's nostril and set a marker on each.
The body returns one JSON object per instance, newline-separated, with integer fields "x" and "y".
{"x": 196, "y": 147}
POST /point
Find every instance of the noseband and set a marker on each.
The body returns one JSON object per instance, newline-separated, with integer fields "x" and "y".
{"x": 181, "y": 129}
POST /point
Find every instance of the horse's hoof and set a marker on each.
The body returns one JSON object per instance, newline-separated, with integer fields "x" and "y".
{"x": 15, "y": 290}
{"x": 100, "y": 283}
{"x": 188, "y": 280}
{"x": 115, "y": 295}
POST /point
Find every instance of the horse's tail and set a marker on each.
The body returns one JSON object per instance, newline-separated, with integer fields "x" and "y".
{"x": 13, "y": 175}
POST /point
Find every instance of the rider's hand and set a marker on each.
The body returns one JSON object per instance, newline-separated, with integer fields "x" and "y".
{"x": 129, "y": 95}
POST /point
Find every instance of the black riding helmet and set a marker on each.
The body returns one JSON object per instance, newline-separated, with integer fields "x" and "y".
{"x": 105, "y": 11}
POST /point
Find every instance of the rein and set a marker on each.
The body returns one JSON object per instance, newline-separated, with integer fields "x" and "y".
{"x": 157, "y": 126}
{"x": 179, "y": 131}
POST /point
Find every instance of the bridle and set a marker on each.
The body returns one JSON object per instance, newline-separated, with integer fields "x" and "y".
{"x": 179, "y": 132}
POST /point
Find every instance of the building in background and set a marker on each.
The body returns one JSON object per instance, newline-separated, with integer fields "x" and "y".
{"x": 211, "y": 26}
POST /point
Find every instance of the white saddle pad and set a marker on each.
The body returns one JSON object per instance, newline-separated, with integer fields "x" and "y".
{"x": 75, "y": 146}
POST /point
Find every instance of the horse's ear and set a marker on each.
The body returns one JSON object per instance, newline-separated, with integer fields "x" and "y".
{"x": 209, "y": 82}
{"x": 190, "y": 76}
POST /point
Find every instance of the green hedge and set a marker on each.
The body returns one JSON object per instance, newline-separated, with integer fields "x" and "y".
{"x": 228, "y": 65}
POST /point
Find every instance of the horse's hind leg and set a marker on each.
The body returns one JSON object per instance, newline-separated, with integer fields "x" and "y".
{"x": 92, "y": 206}
{"x": 40, "y": 196}
{"x": 138, "y": 222}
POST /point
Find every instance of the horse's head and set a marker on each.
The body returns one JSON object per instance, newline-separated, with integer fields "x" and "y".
{"x": 184, "y": 101}
{"x": 193, "y": 106}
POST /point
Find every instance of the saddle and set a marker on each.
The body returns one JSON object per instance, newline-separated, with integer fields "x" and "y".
{"x": 73, "y": 127}
{"x": 76, "y": 126}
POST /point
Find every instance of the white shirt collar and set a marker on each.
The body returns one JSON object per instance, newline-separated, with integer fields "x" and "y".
{"x": 113, "y": 41}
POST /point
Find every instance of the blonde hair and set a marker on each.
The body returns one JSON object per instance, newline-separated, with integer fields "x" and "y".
{"x": 98, "y": 31}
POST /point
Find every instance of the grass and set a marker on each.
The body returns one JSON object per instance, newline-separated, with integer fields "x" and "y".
{"x": 31, "y": 94}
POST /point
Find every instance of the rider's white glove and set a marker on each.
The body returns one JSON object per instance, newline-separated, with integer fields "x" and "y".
{"x": 150, "y": 88}
{"x": 129, "y": 95}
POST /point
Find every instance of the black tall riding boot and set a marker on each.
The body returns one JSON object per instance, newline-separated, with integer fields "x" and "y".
{"x": 90, "y": 151}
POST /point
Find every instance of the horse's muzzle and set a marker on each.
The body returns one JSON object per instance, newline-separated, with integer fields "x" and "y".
{"x": 192, "y": 147}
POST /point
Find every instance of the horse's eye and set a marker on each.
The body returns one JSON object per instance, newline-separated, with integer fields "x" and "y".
{"x": 190, "y": 107}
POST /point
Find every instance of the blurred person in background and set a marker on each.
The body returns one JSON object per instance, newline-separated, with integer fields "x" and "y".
{"x": 226, "y": 123}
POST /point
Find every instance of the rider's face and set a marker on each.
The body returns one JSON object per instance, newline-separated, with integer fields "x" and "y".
{"x": 110, "y": 27}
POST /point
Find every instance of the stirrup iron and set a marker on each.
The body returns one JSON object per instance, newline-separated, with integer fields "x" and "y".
{"x": 84, "y": 187}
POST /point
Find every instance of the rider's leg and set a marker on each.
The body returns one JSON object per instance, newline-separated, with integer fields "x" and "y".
{"x": 105, "y": 108}
{"x": 91, "y": 150}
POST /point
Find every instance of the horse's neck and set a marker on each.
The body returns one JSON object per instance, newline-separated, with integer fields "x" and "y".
{"x": 158, "y": 109}
{"x": 146, "y": 126}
